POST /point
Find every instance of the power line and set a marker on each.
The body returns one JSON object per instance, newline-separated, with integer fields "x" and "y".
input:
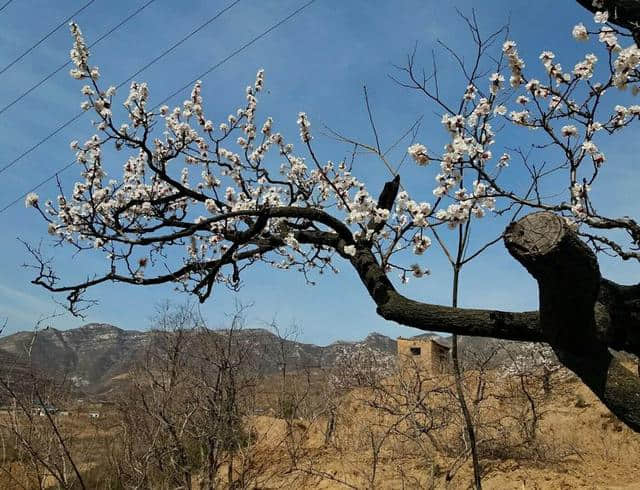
{"x": 154, "y": 60}
{"x": 36, "y": 187}
{"x": 43, "y": 140}
{"x": 237, "y": 51}
{"x": 212, "y": 68}
{"x": 5, "y": 5}
{"x": 64, "y": 22}
{"x": 174, "y": 46}
{"x": 61, "y": 67}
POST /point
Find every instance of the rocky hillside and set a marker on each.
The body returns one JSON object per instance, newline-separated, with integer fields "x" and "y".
{"x": 92, "y": 355}
{"x": 88, "y": 356}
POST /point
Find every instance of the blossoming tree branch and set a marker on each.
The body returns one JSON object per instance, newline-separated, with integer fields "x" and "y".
{"x": 225, "y": 196}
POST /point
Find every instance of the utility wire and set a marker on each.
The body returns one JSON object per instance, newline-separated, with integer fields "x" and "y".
{"x": 5, "y": 5}
{"x": 237, "y": 51}
{"x": 212, "y": 68}
{"x": 36, "y": 187}
{"x": 61, "y": 67}
{"x": 64, "y": 22}
{"x": 79, "y": 114}
{"x": 43, "y": 140}
{"x": 174, "y": 46}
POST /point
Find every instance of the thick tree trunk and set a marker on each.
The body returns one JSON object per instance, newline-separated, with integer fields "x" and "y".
{"x": 568, "y": 278}
{"x": 581, "y": 314}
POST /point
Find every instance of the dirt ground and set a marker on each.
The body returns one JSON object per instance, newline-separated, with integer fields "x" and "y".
{"x": 583, "y": 447}
{"x": 578, "y": 443}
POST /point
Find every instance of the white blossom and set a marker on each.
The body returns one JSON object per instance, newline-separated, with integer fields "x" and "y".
{"x": 350, "y": 250}
{"x": 305, "y": 126}
{"x": 519, "y": 117}
{"x": 569, "y": 130}
{"x": 496, "y": 81}
{"x": 31, "y": 200}
{"x": 580, "y": 32}
{"x": 418, "y": 152}
{"x": 627, "y": 61}
{"x": 584, "y": 69}
{"x": 420, "y": 244}
{"x": 609, "y": 39}
{"x": 79, "y": 54}
{"x": 590, "y": 147}
{"x": 500, "y": 110}
{"x": 516, "y": 64}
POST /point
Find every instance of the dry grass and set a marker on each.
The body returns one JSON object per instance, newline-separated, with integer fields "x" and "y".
{"x": 578, "y": 444}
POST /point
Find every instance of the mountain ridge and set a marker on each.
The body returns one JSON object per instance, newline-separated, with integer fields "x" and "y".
{"x": 95, "y": 353}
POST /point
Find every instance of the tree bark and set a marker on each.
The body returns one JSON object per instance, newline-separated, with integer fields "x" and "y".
{"x": 393, "y": 306}
{"x": 581, "y": 314}
{"x": 623, "y": 13}
{"x": 568, "y": 279}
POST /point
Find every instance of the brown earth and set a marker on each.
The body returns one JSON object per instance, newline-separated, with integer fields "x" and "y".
{"x": 578, "y": 443}
{"x": 580, "y": 446}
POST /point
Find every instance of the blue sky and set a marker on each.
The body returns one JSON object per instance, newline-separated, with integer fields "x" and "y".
{"x": 317, "y": 63}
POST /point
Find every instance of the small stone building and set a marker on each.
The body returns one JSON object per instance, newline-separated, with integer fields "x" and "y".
{"x": 431, "y": 355}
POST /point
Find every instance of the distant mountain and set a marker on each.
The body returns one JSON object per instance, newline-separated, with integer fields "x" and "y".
{"x": 88, "y": 356}
{"x": 93, "y": 355}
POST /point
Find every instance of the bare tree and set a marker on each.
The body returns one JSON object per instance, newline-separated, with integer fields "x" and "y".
{"x": 184, "y": 417}
{"x": 46, "y": 448}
